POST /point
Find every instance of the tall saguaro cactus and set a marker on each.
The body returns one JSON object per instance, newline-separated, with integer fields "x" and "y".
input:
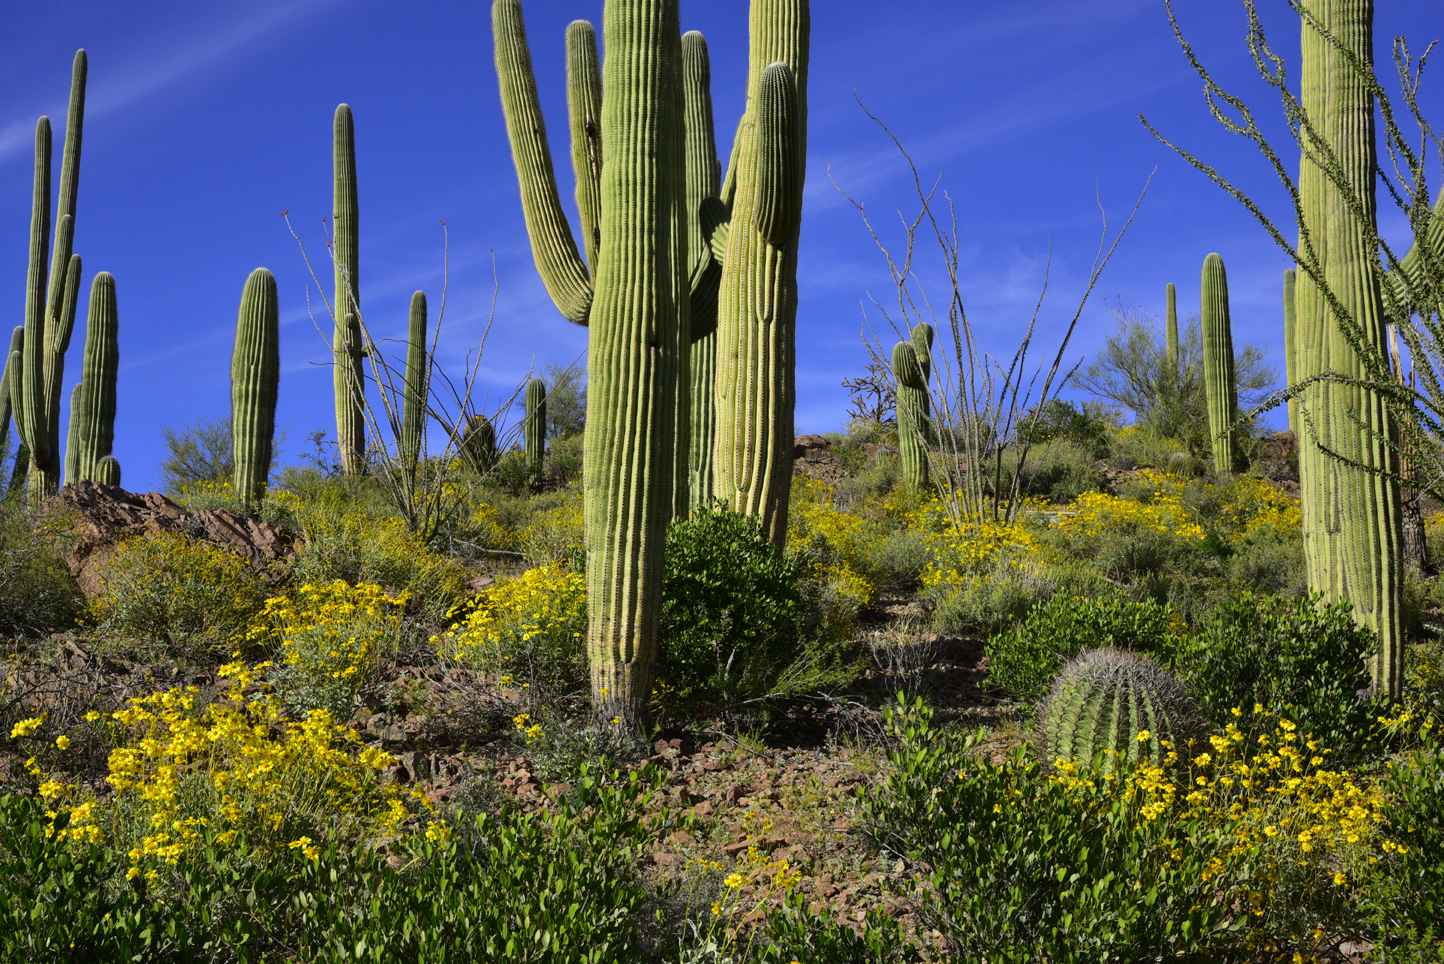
{"x": 417, "y": 390}
{"x": 255, "y": 373}
{"x": 1290, "y": 348}
{"x": 1170, "y": 330}
{"x": 347, "y": 347}
{"x": 912, "y": 410}
{"x": 1350, "y": 498}
{"x": 704, "y": 183}
{"x": 535, "y": 428}
{"x": 757, "y": 302}
{"x": 94, "y": 432}
{"x": 50, "y": 314}
{"x": 634, "y": 301}
{"x": 1218, "y": 375}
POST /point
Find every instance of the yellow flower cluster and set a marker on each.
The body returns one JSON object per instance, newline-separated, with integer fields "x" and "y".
{"x": 977, "y": 550}
{"x": 755, "y": 882}
{"x": 334, "y": 631}
{"x": 813, "y": 518}
{"x": 236, "y": 767}
{"x": 546, "y": 605}
{"x": 1094, "y": 513}
{"x": 1254, "y": 509}
{"x": 550, "y": 537}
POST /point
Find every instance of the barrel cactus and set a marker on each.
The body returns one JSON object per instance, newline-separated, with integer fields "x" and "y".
{"x": 348, "y": 346}
{"x": 478, "y": 445}
{"x": 107, "y": 471}
{"x": 255, "y": 373}
{"x": 534, "y": 428}
{"x": 1118, "y": 704}
{"x": 95, "y": 430}
{"x": 1218, "y": 375}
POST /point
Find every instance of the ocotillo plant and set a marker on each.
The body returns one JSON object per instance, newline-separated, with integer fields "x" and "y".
{"x": 1218, "y": 379}
{"x": 757, "y": 301}
{"x": 634, "y": 300}
{"x": 107, "y": 471}
{"x": 417, "y": 389}
{"x": 95, "y": 433}
{"x": 704, "y": 181}
{"x": 347, "y": 348}
{"x": 1291, "y": 348}
{"x": 534, "y": 429}
{"x": 911, "y": 420}
{"x": 478, "y": 445}
{"x": 50, "y": 316}
{"x": 1349, "y": 493}
{"x": 17, "y": 343}
{"x": 255, "y": 373}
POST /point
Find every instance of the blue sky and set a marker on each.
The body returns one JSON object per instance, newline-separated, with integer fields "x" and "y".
{"x": 206, "y": 120}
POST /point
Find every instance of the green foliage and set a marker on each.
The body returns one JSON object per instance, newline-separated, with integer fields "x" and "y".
{"x": 557, "y": 886}
{"x": 199, "y": 452}
{"x": 730, "y": 611}
{"x": 796, "y": 933}
{"x": 1415, "y": 879}
{"x": 1087, "y": 425}
{"x": 184, "y": 595}
{"x": 566, "y": 398}
{"x": 37, "y": 595}
{"x": 1301, "y": 658}
{"x": 1026, "y": 658}
{"x": 1059, "y": 470}
{"x": 1114, "y": 709}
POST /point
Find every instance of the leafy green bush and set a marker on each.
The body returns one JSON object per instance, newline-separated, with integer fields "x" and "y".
{"x": 1414, "y": 878}
{"x": 1026, "y": 658}
{"x": 1300, "y": 658}
{"x": 730, "y": 610}
{"x": 188, "y": 596}
{"x": 37, "y": 594}
{"x": 1059, "y": 471}
{"x": 1087, "y": 426}
{"x": 554, "y": 886}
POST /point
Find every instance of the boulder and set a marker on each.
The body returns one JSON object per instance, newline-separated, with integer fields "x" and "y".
{"x": 102, "y": 516}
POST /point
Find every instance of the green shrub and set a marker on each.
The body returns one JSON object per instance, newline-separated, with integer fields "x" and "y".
{"x": 1087, "y": 426}
{"x": 37, "y": 595}
{"x": 1301, "y": 658}
{"x": 1025, "y": 659}
{"x": 730, "y": 610}
{"x": 188, "y": 596}
{"x": 1059, "y": 471}
{"x": 555, "y": 886}
{"x": 1410, "y": 907}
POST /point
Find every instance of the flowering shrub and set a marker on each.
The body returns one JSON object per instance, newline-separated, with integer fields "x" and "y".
{"x": 1253, "y": 510}
{"x": 835, "y": 545}
{"x": 530, "y": 631}
{"x": 328, "y": 639}
{"x": 555, "y": 536}
{"x": 182, "y": 593}
{"x": 232, "y": 773}
{"x": 1261, "y": 850}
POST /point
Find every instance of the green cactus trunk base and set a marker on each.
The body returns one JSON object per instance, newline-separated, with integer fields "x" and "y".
{"x": 348, "y": 348}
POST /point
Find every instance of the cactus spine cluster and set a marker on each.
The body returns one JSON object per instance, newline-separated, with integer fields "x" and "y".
{"x": 757, "y": 301}
{"x": 535, "y": 428}
{"x": 478, "y": 445}
{"x": 1350, "y": 499}
{"x": 1291, "y": 348}
{"x": 348, "y": 346}
{"x": 255, "y": 373}
{"x": 50, "y": 296}
{"x": 1218, "y": 375}
{"x": 1104, "y": 701}
{"x": 417, "y": 390}
{"x": 912, "y": 365}
{"x": 93, "y": 431}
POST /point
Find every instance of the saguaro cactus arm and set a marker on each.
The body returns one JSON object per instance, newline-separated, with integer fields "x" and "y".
{"x": 17, "y": 343}
{"x": 1291, "y": 348}
{"x": 584, "y": 111}
{"x": 30, "y": 401}
{"x": 553, "y": 246}
{"x": 778, "y": 207}
{"x": 72, "y": 441}
{"x": 417, "y": 387}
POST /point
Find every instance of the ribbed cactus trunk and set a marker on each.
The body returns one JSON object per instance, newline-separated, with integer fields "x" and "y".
{"x": 632, "y": 302}
{"x": 1170, "y": 330}
{"x": 478, "y": 445}
{"x": 255, "y": 374}
{"x": 1350, "y": 501}
{"x": 417, "y": 390}
{"x": 50, "y": 314}
{"x": 1218, "y": 375}
{"x": 534, "y": 429}
{"x": 107, "y": 471}
{"x": 757, "y": 303}
{"x": 704, "y": 180}
{"x": 17, "y": 344}
{"x": 72, "y": 441}
{"x": 348, "y": 347}
{"x": 1291, "y": 364}
{"x": 95, "y": 432}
